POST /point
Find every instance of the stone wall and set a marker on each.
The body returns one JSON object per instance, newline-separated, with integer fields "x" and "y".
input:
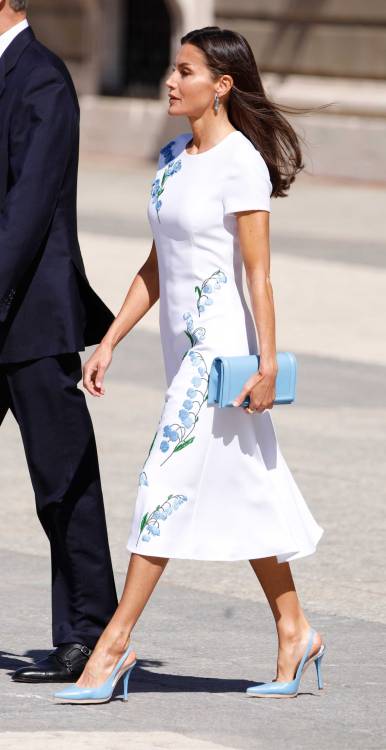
{"x": 311, "y": 52}
{"x": 335, "y": 38}
{"x": 345, "y": 38}
{"x": 95, "y": 37}
{"x": 72, "y": 29}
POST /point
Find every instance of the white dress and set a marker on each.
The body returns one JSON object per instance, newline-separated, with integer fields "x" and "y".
{"x": 214, "y": 485}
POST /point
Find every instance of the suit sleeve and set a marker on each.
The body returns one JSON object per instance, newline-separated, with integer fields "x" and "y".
{"x": 42, "y": 133}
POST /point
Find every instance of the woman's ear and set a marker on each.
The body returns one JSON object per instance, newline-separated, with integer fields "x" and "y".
{"x": 224, "y": 85}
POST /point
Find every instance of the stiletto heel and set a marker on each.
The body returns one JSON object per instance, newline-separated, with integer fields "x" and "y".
{"x": 103, "y": 693}
{"x": 318, "y": 667}
{"x": 126, "y": 682}
{"x": 290, "y": 689}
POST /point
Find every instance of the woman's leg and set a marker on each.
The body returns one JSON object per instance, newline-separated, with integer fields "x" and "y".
{"x": 291, "y": 623}
{"x": 142, "y": 577}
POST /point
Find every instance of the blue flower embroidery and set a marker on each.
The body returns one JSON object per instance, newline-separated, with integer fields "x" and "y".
{"x": 158, "y": 185}
{"x": 207, "y": 288}
{"x": 143, "y": 480}
{"x": 213, "y": 282}
{"x": 155, "y": 188}
{"x": 167, "y": 151}
{"x": 149, "y": 525}
{"x": 195, "y": 335}
{"x": 172, "y": 168}
{"x": 179, "y": 435}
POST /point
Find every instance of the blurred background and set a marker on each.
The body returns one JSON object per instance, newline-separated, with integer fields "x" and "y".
{"x": 310, "y": 52}
{"x": 329, "y": 278}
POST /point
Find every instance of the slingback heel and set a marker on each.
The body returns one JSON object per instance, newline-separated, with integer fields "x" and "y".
{"x": 318, "y": 667}
{"x": 290, "y": 689}
{"x": 104, "y": 692}
{"x": 126, "y": 684}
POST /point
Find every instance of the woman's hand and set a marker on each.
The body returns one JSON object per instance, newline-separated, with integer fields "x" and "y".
{"x": 261, "y": 390}
{"x": 95, "y": 368}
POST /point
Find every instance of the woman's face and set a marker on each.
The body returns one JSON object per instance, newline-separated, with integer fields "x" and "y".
{"x": 191, "y": 86}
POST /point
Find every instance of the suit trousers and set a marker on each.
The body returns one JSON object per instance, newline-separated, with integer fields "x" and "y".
{"x": 61, "y": 453}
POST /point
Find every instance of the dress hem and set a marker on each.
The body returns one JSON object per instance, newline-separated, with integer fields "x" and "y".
{"x": 286, "y": 556}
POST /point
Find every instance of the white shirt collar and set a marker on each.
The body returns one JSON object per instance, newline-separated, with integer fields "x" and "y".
{"x": 11, "y": 34}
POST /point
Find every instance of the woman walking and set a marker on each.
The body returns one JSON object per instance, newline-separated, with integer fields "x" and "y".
{"x": 214, "y": 485}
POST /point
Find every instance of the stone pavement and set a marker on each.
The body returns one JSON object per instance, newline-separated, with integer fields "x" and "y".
{"x": 207, "y": 633}
{"x": 105, "y": 741}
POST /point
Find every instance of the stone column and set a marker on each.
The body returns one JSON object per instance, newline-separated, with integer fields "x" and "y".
{"x": 111, "y": 45}
{"x": 187, "y": 16}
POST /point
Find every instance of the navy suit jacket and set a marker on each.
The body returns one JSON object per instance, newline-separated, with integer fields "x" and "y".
{"x": 47, "y": 306}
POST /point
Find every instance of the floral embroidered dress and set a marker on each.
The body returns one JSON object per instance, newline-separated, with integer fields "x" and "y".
{"x": 214, "y": 485}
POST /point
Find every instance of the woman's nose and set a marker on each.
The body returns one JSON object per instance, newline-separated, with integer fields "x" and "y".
{"x": 170, "y": 81}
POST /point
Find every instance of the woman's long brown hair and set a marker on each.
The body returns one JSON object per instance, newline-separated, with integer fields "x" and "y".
{"x": 249, "y": 108}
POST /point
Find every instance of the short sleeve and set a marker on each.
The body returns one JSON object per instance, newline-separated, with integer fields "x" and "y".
{"x": 247, "y": 186}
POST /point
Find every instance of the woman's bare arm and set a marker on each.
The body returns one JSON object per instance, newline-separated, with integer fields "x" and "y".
{"x": 142, "y": 295}
{"x": 253, "y": 228}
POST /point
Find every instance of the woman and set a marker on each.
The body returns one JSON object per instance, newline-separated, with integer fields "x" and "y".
{"x": 214, "y": 485}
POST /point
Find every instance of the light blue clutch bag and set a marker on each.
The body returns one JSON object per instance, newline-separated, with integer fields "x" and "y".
{"x": 228, "y": 375}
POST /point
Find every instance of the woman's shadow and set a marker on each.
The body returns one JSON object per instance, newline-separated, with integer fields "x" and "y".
{"x": 144, "y": 680}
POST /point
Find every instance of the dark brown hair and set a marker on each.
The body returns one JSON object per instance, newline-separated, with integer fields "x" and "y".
{"x": 18, "y": 5}
{"x": 249, "y": 109}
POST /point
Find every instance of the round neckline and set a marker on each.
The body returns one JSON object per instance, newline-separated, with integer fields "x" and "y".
{"x": 212, "y": 148}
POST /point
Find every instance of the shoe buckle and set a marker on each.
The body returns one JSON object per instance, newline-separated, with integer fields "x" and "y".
{"x": 86, "y": 651}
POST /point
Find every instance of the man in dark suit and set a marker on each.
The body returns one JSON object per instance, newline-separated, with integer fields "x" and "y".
{"x": 48, "y": 313}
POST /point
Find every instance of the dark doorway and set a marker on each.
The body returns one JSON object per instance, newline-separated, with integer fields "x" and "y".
{"x": 146, "y": 47}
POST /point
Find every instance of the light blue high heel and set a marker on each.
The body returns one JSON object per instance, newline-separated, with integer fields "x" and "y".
{"x": 102, "y": 693}
{"x": 290, "y": 689}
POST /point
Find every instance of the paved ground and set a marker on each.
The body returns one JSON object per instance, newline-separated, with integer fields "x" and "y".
{"x": 207, "y": 633}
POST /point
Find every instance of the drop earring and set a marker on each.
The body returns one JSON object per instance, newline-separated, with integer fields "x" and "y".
{"x": 216, "y": 103}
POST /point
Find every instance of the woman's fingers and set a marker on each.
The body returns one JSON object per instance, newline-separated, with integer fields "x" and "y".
{"x": 87, "y": 382}
{"x": 94, "y": 371}
{"x": 247, "y": 390}
{"x": 261, "y": 402}
{"x": 90, "y": 371}
{"x": 99, "y": 378}
{"x": 260, "y": 392}
{"x": 241, "y": 397}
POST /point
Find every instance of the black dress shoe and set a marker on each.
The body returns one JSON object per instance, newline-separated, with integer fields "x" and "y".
{"x": 65, "y": 664}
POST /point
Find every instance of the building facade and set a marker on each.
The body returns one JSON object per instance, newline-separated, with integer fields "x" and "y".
{"x": 310, "y": 53}
{"x": 123, "y": 47}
